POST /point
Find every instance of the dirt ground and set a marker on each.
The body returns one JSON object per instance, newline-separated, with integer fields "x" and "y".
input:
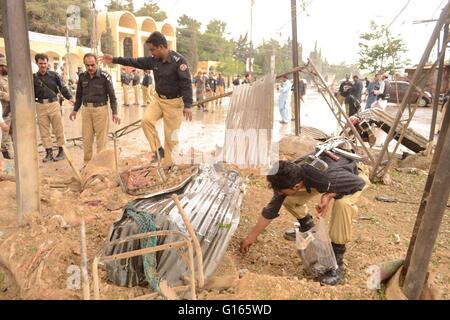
{"x": 35, "y": 259}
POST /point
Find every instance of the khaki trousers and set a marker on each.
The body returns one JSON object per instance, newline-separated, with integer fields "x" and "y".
{"x": 136, "y": 94}
{"x": 293, "y": 105}
{"x": 94, "y": 123}
{"x": 171, "y": 111}
{"x": 220, "y": 90}
{"x": 211, "y": 104}
{"x": 6, "y": 137}
{"x": 146, "y": 99}
{"x": 342, "y": 211}
{"x": 49, "y": 119}
{"x": 126, "y": 90}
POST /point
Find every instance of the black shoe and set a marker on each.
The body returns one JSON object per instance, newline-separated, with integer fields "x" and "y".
{"x": 161, "y": 155}
{"x": 333, "y": 276}
{"x": 49, "y": 155}
{"x": 306, "y": 224}
{"x": 60, "y": 155}
{"x": 7, "y": 155}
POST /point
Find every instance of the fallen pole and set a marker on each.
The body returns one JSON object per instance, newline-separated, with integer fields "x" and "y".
{"x": 198, "y": 250}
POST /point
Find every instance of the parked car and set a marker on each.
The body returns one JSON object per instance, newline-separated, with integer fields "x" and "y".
{"x": 402, "y": 87}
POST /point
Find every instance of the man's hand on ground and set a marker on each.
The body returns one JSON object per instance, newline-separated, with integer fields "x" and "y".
{"x": 246, "y": 244}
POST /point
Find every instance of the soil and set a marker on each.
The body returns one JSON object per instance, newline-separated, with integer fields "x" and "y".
{"x": 38, "y": 255}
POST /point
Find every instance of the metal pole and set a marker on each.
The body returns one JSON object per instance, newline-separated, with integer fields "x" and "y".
{"x": 432, "y": 218}
{"x": 437, "y": 29}
{"x": 22, "y": 103}
{"x": 438, "y": 87}
{"x": 295, "y": 64}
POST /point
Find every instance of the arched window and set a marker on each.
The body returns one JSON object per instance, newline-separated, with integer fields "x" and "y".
{"x": 128, "y": 47}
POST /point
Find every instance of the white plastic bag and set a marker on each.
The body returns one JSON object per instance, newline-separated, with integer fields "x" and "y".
{"x": 314, "y": 248}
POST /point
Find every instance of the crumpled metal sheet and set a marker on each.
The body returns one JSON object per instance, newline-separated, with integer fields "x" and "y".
{"x": 212, "y": 202}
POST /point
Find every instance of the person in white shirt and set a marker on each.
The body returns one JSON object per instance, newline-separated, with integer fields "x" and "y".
{"x": 3, "y": 126}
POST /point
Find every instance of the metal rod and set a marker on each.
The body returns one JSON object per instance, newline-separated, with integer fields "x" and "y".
{"x": 417, "y": 73}
{"x": 438, "y": 87}
{"x": 295, "y": 64}
{"x": 15, "y": 31}
{"x": 432, "y": 219}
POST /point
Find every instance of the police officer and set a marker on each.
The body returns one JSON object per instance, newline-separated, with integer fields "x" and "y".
{"x": 6, "y": 114}
{"x": 47, "y": 85}
{"x": 125, "y": 78}
{"x": 93, "y": 90}
{"x": 173, "y": 97}
{"x": 135, "y": 82}
{"x": 146, "y": 85}
{"x": 295, "y": 184}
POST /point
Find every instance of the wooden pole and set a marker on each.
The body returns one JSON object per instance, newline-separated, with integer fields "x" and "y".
{"x": 72, "y": 165}
{"x": 417, "y": 74}
{"x": 295, "y": 65}
{"x": 438, "y": 88}
{"x": 198, "y": 249}
{"x": 23, "y": 108}
{"x": 429, "y": 228}
{"x": 427, "y": 190}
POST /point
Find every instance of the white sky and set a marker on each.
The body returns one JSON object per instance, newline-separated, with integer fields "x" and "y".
{"x": 334, "y": 24}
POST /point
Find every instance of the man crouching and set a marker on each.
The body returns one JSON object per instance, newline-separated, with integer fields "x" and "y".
{"x": 294, "y": 184}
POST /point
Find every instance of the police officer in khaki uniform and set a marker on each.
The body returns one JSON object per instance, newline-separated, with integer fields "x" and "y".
{"x": 136, "y": 81}
{"x": 173, "y": 96}
{"x": 47, "y": 84}
{"x": 6, "y": 144}
{"x": 125, "y": 78}
{"x": 295, "y": 184}
{"x": 93, "y": 90}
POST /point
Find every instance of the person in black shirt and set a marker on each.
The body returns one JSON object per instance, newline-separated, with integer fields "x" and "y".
{"x": 125, "y": 79}
{"x": 93, "y": 90}
{"x": 294, "y": 184}
{"x": 173, "y": 97}
{"x": 146, "y": 86}
{"x": 344, "y": 92}
{"x": 135, "y": 82}
{"x": 47, "y": 85}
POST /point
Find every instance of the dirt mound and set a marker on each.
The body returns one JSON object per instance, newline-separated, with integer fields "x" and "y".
{"x": 296, "y": 146}
{"x": 418, "y": 161}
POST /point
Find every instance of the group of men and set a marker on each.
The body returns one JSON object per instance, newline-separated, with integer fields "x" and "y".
{"x": 131, "y": 81}
{"x": 294, "y": 183}
{"x": 350, "y": 94}
{"x": 208, "y": 86}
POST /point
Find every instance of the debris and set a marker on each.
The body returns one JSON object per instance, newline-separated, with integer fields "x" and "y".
{"x": 396, "y": 238}
{"x": 412, "y": 171}
{"x": 211, "y": 201}
{"x": 387, "y": 180}
{"x": 242, "y": 272}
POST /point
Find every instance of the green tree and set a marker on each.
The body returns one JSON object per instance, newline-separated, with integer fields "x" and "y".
{"x": 380, "y": 51}
{"x": 49, "y": 16}
{"x": 120, "y": 5}
{"x": 212, "y": 43}
{"x": 152, "y": 10}
{"x": 241, "y": 49}
{"x": 188, "y": 33}
{"x": 107, "y": 40}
